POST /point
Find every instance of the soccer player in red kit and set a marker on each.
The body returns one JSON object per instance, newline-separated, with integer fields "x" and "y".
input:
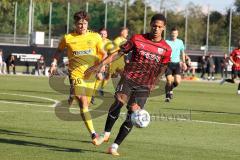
{"x": 150, "y": 56}
{"x": 235, "y": 58}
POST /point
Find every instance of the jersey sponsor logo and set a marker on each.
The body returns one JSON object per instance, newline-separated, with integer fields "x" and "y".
{"x": 150, "y": 56}
{"x": 89, "y": 51}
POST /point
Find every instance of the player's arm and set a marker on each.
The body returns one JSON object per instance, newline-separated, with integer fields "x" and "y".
{"x": 231, "y": 59}
{"x": 61, "y": 47}
{"x": 117, "y": 53}
{"x": 183, "y": 54}
{"x": 111, "y": 58}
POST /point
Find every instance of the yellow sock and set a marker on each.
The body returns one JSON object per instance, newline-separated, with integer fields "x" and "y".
{"x": 104, "y": 83}
{"x": 86, "y": 116}
{"x": 96, "y": 86}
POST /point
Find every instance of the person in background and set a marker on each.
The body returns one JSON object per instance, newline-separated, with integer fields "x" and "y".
{"x": 53, "y": 68}
{"x": 2, "y": 63}
{"x": 117, "y": 66}
{"x": 11, "y": 63}
{"x": 40, "y": 66}
{"x": 224, "y": 65}
{"x": 173, "y": 72}
{"x": 203, "y": 63}
{"x": 210, "y": 67}
{"x": 235, "y": 59}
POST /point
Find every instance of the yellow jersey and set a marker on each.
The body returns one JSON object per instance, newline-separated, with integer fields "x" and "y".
{"x": 118, "y": 64}
{"x": 109, "y": 46}
{"x": 83, "y": 51}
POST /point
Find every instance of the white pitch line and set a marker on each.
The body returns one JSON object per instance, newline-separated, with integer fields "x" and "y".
{"x": 122, "y": 113}
{"x": 27, "y": 104}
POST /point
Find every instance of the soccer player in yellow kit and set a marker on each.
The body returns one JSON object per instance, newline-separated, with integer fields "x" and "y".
{"x": 104, "y": 75}
{"x": 118, "y": 65}
{"x": 84, "y": 48}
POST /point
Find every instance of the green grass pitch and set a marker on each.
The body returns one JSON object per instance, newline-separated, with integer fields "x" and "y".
{"x": 30, "y": 128}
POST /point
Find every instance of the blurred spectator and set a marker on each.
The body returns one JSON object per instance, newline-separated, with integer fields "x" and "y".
{"x": 203, "y": 66}
{"x": 189, "y": 66}
{"x": 11, "y": 63}
{"x": 210, "y": 67}
{"x": 40, "y": 66}
{"x": 53, "y": 68}
{"x": 2, "y": 63}
{"x": 224, "y": 65}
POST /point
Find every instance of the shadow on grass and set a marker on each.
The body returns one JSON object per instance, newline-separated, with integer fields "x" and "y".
{"x": 24, "y": 134}
{"x": 47, "y": 146}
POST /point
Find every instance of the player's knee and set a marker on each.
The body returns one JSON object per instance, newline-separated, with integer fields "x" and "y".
{"x": 82, "y": 101}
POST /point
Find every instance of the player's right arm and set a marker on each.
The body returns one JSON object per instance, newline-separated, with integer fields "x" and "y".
{"x": 116, "y": 54}
{"x": 232, "y": 60}
{"x": 61, "y": 47}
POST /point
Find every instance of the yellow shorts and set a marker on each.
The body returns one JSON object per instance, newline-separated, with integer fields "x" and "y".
{"x": 83, "y": 87}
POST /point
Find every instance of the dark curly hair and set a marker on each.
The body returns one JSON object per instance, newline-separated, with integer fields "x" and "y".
{"x": 81, "y": 15}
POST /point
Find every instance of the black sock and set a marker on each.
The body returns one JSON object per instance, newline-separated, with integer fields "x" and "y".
{"x": 229, "y": 80}
{"x": 239, "y": 86}
{"x": 175, "y": 84}
{"x": 113, "y": 115}
{"x": 168, "y": 88}
{"x": 125, "y": 129}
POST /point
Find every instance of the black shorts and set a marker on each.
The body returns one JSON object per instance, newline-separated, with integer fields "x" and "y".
{"x": 136, "y": 93}
{"x": 173, "y": 69}
{"x": 236, "y": 73}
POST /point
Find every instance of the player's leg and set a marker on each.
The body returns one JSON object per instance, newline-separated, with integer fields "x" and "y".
{"x": 176, "y": 78}
{"x": 238, "y": 91}
{"x": 99, "y": 78}
{"x": 71, "y": 91}
{"x": 83, "y": 90}
{"x": 168, "y": 87}
{"x": 123, "y": 91}
{"x": 137, "y": 100}
{"x": 169, "y": 79}
{"x": 230, "y": 80}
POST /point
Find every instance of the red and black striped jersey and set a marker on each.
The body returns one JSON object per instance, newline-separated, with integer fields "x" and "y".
{"x": 236, "y": 58}
{"x": 146, "y": 60}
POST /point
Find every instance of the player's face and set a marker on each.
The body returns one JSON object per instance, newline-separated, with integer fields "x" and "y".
{"x": 157, "y": 27}
{"x": 174, "y": 35}
{"x": 103, "y": 34}
{"x": 124, "y": 33}
{"x": 81, "y": 26}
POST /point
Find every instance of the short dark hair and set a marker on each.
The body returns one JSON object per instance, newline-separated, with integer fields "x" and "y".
{"x": 123, "y": 28}
{"x": 81, "y": 15}
{"x": 1, "y": 50}
{"x": 159, "y": 17}
{"x": 102, "y": 29}
{"x": 174, "y": 29}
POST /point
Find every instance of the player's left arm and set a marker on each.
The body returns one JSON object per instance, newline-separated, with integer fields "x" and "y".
{"x": 183, "y": 54}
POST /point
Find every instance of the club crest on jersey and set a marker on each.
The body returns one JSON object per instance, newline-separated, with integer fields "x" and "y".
{"x": 89, "y": 43}
{"x": 160, "y": 50}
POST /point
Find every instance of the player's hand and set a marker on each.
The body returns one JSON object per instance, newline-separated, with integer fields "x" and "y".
{"x": 237, "y": 64}
{"x": 91, "y": 70}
